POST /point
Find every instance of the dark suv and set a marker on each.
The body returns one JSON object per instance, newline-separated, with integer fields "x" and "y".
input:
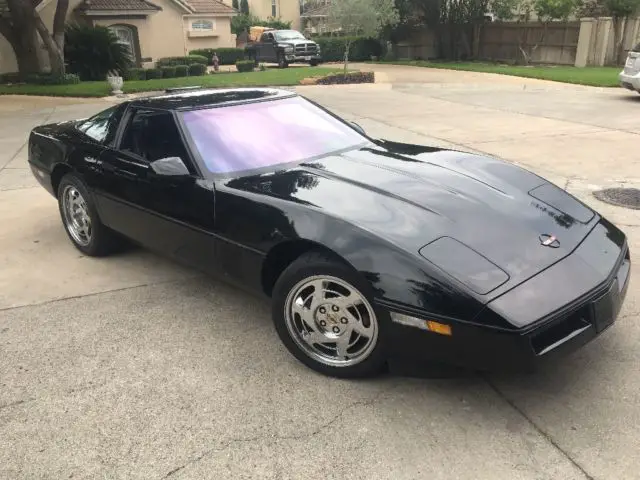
{"x": 284, "y": 47}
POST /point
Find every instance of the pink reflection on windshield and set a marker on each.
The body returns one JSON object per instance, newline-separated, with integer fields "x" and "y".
{"x": 258, "y": 135}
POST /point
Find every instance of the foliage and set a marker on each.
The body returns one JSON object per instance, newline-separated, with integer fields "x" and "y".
{"x": 272, "y": 76}
{"x": 360, "y": 48}
{"x": 344, "y": 78}
{"x": 621, "y": 8}
{"x": 507, "y": 10}
{"x": 52, "y": 79}
{"x": 168, "y": 72}
{"x": 92, "y": 52}
{"x": 548, "y": 10}
{"x": 10, "y": 77}
{"x": 154, "y": 73}
{"x": 594, "y": 76}
{"x": 366, "y": 18}
{"x": 182, "y": 70}
{"x": 226, "y": 56}
{"x": 244, "y": 7}
{"x": 235, "y": 4}
{"x": 135, "y": 74}
{"x": 241, "y": 23}
{"x": 173, "y": 61}
{"x": 197, "y": 69}
{"x": 245, "y": 65}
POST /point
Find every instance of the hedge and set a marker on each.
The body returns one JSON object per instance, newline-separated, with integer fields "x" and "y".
{"x": 245, "y": 65}
{"x": 11, "y": 77}
{"x": 168, "y": 72}
{"x": 135, "y": 74}
{"x": 226, "y": 56}
{"x": 351, "y": 77}
{"x": 182, "y": 70}
{"x": 197, "y": 69}
{"x": 52, "y": 79}
{"x": 361, "y": 48}
{"x": 153, "y": 73}
{"x": 173, "y": 61}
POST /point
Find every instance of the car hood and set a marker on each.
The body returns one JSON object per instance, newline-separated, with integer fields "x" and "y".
{"x": 297, "y": 41}
{"x": 412, "y": 196}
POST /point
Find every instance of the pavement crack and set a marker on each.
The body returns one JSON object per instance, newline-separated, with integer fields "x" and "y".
{"x": 538, "y": 429}
{"x": 13, "y": 157}
{"x": 320, "y": 428}
{"x": 17, "y": 402}
{"x": 94, "y": 294}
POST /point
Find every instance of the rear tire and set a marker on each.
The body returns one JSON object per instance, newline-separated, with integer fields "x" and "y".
{"x": 323, "y": 312}
{"x": 81, "y": 221}
{"x": 314, "y": 63}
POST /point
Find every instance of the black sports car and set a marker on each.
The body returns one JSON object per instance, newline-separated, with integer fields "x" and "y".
{"x": 369, "y": 249}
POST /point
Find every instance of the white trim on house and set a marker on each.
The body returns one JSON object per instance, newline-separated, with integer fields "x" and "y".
{"x": 119, "y": 13}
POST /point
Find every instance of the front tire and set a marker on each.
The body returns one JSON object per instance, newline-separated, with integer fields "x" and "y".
{"x": 282, "y": 62}
{"x": 314, "y": 63}
{"x": 323, "y": 313}
{"x": 81, "y": 221}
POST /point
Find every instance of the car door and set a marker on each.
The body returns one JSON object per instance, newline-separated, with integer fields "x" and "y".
{"x": 267, "y": 47}
{"x": 173, "y": 215}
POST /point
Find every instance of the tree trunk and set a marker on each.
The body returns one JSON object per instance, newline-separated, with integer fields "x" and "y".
{"x": 619, "y": 30}
{"x": 26, "y": 49}
{"x": 56, "y": 56}
{"x": 346, "y": 56}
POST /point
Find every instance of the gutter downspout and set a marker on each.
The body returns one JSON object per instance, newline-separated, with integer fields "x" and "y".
{"x": 184, "y": 35}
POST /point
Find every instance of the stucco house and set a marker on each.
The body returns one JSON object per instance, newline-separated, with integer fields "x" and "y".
{"x": 151, "y": 29}
{"x": 285, "y": 10}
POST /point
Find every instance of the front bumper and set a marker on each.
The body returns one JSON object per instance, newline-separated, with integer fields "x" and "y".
{"x": 295, "y": 58}
{"x": 572, "y": 324}
{"x": 629, "y": 80}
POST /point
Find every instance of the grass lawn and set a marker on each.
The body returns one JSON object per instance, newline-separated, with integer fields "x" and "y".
{"x": 270, "y": 77}
{"x": 593, "y": 76}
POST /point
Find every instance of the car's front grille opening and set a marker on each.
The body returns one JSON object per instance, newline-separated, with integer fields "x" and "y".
{"x": 560, "y": 332}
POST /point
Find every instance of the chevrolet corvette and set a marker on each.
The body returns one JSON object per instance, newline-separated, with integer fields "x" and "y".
{"x": 368, "y": 249}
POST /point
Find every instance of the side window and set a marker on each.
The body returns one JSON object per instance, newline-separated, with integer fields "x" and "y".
{"x": 269, "y": 37}
{"x": 102, "y": 126}
{"x": 153, "y": 135}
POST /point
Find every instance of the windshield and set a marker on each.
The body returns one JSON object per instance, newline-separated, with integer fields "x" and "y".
{"x": 261, "y": 135}
{"x": 636, "y": 48}
{"x": 289, "y": 35}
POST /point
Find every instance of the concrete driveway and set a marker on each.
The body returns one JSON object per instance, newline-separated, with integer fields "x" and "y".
{"x": 133, "y": 367}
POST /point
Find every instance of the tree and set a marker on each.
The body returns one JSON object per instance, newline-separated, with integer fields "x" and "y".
{"x": 620, "y": 10}
{"x": 234, "y": 4}
{"x": 21, "y": 24}
{"x": 244, "y": 7}
{"x": 366, "y": 18}
{"x": 93, "y": 52}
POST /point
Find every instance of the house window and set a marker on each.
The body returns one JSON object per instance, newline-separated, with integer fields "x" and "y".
{"x": 201, "y": 25}
{"x": 125, "y": 37}
{"x": 274, "y": 10}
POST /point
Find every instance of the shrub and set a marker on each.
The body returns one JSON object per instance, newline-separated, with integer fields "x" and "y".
{"x": 226, "y": 56}
{"x": 182, "y": 70}
{"x": 173, "y": 61}
{"x": 197, "y": 69}
{"x": 52, "y": 79}
{"x": 245, "y": 65}
{"x": 153, "y": 73}
{"x": 351, "y": 77}
{"x": 360, "y": 49}
{"x": 92, "y": 52}
{"x": 135, "y": 74}
{"x": 11, "y": 77}
{"x": 168, "y": 72}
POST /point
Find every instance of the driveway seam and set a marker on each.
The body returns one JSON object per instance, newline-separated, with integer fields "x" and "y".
{"x": 515, "y": 112}
{"x": 93, "y": 294}
{"x": 13, "y": 157}
{"x": 538, "y": 429}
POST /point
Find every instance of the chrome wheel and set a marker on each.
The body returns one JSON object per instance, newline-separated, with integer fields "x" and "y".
{"x": 77, "y": 219}
{"x": 331, "y": 321}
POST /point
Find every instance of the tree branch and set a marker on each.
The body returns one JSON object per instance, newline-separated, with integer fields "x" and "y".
{"x": 58, "y": 22}
{"x": 55, "y": 53}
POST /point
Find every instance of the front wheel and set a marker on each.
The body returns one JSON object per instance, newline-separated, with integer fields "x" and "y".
{"x": 282, "y": 62}
{"x": 314, "y": 63}
{"x": 323, "y": 313}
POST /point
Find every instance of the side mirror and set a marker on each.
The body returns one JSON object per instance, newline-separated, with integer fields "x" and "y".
{"x": 359, "y": 128}
{"x": 170, "y": 167}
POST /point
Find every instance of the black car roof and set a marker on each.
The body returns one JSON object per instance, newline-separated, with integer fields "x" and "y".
{"x": 203, "y": 98}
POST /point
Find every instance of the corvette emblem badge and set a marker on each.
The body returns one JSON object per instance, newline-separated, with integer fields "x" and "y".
{"x": 549, "y": 241}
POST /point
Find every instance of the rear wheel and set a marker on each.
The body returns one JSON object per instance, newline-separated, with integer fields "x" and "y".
{"x": 314, "y": 63}
{"x": 81, "y": 221}
{"x": 323, "y": 313}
